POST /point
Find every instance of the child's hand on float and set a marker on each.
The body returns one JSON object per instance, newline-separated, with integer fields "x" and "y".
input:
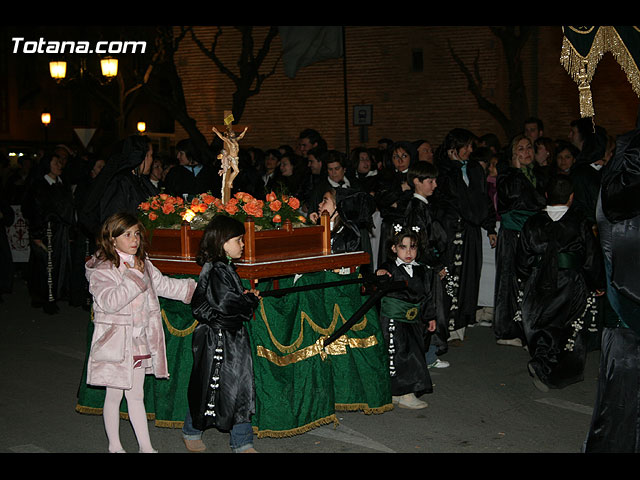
{"x": 431, "y": 325}
{"x": 382, "y": 271}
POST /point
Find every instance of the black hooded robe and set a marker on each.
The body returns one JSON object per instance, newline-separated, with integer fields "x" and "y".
{"x": 560, "y": 264}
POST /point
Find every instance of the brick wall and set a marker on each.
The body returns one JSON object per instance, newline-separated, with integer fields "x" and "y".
{"x": 407, "y": 105}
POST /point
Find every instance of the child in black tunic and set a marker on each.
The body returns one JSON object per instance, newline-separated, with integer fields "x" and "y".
{"x": 221, "y": 389}
{"x": 404, "y": 316}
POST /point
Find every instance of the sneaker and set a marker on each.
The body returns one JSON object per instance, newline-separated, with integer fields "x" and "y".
{"x": 514, "y": 342}
{"x": 439, "y": 364}
{"x": 194, "y": 445}
{"x": 412, "y": 402}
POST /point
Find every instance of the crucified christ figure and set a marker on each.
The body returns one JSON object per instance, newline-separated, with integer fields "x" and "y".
{"x": 229, "y": 159}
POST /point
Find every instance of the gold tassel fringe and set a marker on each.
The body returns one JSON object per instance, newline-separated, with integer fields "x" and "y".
{"x": 582, "y": 68}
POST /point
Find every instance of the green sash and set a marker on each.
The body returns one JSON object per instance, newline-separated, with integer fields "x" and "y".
{"x": 514, "y": 219}
{"x": 400, "y": 310}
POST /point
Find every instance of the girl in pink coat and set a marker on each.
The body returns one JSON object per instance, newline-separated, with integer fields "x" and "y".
{"x": 128, "y": 339}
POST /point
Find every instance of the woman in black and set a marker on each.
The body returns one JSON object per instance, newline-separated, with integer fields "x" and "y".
{"x": 520, "y": 194}
{"x": 465, "y": 208}
{"x": 190, "y": 177}
{"x": 48, "y": 208}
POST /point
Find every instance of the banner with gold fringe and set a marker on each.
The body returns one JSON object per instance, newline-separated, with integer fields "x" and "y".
{"x": 584, "y": 46}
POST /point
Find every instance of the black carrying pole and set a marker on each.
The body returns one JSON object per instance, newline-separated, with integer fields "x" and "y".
{"x": 377, "y": 286}
{"x": 378, "y": 293}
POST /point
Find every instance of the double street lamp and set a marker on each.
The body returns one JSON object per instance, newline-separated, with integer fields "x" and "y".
{"x": 108, "y": 65}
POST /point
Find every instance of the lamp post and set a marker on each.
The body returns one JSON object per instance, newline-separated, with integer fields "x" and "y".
{"x": 142, "y": 127}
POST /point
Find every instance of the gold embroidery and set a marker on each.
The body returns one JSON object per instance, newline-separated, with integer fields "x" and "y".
{"x": 315, "y": 327}
{"x": 339, "y": 347}
{"x": 174, "y": 331}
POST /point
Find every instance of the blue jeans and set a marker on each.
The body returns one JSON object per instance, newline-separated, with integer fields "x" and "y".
{"x": 241, "y": 434}
{"x": 431, "y": 354}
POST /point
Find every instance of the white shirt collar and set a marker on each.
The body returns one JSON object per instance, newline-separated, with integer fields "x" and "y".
{"x": 421, "y": 198}
{"x": 51, "y": 180}
{"x": 407, "y": 266}
{"x": 337, "y": 185}
{"x": 556, "y": 211}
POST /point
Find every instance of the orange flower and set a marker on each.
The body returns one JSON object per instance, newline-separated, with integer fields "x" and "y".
{"x": 208, "y": 199}
{"x": 168, "y": 208}
{"x": 244, "y": 197}
{"x": 302, "y": 219}
{"x": 231, "y": 208}
{"x": 179, "y": 200}
{"x": 145, "y": 206}
{"x": 154, "y": 204}
{"x": 294, "y": 203}
{"x": 271, "y": 197}
{"x": 277, "y": 218}
{"x": 275, "y": 205}
{"x": 163, "y": 196}
{"x": 253, "y": 208}
{"x": 152, "y": 216}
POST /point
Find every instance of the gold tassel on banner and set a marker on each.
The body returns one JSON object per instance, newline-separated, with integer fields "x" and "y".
{"x": 586, "y": 100}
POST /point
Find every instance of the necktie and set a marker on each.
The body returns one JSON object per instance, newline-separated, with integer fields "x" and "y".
{"x": 528, "y": 172}
{"x": 464, "y": 172}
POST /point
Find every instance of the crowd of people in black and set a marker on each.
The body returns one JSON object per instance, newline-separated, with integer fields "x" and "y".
{"x": 533, "y": 200}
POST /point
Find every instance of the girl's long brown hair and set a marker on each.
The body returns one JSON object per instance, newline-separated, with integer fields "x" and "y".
{"x": 113, "y": 227}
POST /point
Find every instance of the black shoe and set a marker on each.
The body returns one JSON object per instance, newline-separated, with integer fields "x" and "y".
{"x": 539, "y": 384}
{"x": 51, "y": 308}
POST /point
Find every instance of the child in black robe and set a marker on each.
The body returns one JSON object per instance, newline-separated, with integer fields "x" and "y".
{"x": 404, "y": 316}
{"x": 560, "y": 263}
{"x": 421, "y": 212}
{"x": 221, "y": 389}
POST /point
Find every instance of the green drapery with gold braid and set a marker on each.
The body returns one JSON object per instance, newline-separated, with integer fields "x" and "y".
{"x": 299, "y": 385}
{"x": 584, "y": 46}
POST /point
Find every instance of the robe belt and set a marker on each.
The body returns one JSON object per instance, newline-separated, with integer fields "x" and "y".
{"x": 400, "y": 310}
{"x": 566, "y": 260}
{"x": 514, "y": 219}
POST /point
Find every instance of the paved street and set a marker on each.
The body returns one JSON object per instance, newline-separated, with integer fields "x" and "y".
{"x": 484, "y": 403}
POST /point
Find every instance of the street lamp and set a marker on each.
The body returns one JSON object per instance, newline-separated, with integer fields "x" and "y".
{"x": 108, "y": 66}
{"x": 45, "y": 118}
{"x": 142, "y": 126}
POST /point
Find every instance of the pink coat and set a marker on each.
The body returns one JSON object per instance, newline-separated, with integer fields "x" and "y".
{"x": 114, "y": 289}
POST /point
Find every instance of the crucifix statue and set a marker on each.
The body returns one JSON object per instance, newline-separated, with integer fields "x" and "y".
{"x": 229, "y": 155}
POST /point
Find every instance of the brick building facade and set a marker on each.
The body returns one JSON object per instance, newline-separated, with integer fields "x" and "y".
{"x": 382, "y": 70}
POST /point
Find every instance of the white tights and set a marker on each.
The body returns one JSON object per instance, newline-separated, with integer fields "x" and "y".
{"x": 137, "y": 414}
